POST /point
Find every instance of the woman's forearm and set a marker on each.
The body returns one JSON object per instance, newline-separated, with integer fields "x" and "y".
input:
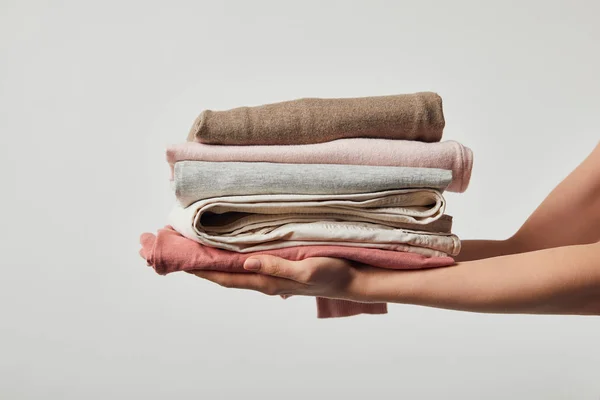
{"x": 570, "y": 215}
{"x": 480, "y": 249}
{"x": 564, "y": 280}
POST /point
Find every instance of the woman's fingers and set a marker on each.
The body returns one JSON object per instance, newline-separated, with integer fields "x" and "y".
{"x": 272, "y": 275}
{"x": 310, "y": 271}
{"x": 266, "y": 284}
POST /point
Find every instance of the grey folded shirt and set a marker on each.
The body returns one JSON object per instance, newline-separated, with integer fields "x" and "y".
{"x": 199, "y": 180}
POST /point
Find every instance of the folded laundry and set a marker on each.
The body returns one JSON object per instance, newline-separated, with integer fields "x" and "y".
{"x": 361, "y": 179}
{"x": 400, "y": 208}
{"x": 362, "y": 220}
{"x": 449, "y": 155}
{"x": 417, "y": 116}
{"x": 358, "y": 234}
{"x": 234, "y": 222}
{"x": 198, "y": 180}
{"x": 168, "y": 252}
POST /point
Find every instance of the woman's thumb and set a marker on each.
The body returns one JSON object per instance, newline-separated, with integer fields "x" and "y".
{"x": 271, "y": 265}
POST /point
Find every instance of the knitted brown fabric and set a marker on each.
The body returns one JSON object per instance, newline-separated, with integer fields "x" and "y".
{"x": 417, "y": 116}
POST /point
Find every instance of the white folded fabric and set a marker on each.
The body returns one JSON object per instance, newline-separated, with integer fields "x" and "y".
{"x": 263, "y": 222}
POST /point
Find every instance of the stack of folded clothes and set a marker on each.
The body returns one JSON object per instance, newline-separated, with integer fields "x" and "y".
{"x": 359, "y": 179}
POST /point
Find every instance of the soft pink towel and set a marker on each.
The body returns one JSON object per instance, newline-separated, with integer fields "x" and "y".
{"x": 168, "y": 251}
{"x": 448, "y": 155}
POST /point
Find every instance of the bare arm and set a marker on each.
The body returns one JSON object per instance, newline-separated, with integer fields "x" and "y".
{"x": 569, "y": 215}
{"x": 563, "y": 280}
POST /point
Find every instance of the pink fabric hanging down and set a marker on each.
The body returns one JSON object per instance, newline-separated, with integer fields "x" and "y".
{"x": 449, "y": 155}
{"x": 168, "y": 252}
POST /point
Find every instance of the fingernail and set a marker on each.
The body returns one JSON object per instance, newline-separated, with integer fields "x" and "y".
{"x": 252, "y": 264}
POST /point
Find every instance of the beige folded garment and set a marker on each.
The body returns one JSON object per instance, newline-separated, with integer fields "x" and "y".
{"x": 234, "y": 222}
{"x": 417, "y": 116}
{"x": 263, "y": 222}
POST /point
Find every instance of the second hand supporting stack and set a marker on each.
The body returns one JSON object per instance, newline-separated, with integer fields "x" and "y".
{"x": 360, "y": 179}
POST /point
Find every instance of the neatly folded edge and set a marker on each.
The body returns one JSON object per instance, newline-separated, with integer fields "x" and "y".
{"x": 147, "y": 241}
{"x": 467, "y": 160}
{"x": 193, "y": 133}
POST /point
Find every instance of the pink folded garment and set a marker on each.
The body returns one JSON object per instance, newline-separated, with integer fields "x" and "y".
{"x": 168, "y": 251}
{"x": 448, "y": 155}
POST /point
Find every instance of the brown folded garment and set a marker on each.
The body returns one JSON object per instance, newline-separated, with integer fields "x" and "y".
{"x": 417, "y": 116}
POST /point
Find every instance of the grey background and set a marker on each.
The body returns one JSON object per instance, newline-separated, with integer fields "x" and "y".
{"x": 92, "y": 92}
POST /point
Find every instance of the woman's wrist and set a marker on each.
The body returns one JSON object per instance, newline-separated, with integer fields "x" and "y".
{"x": 372, "y": 285}
{"x": 356, "y": 287}
{"x": 481, "y": 249}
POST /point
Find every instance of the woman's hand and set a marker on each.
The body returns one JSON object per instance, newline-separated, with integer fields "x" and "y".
{"x": 562, "y": 280}
{"x": 317, "y": 276}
